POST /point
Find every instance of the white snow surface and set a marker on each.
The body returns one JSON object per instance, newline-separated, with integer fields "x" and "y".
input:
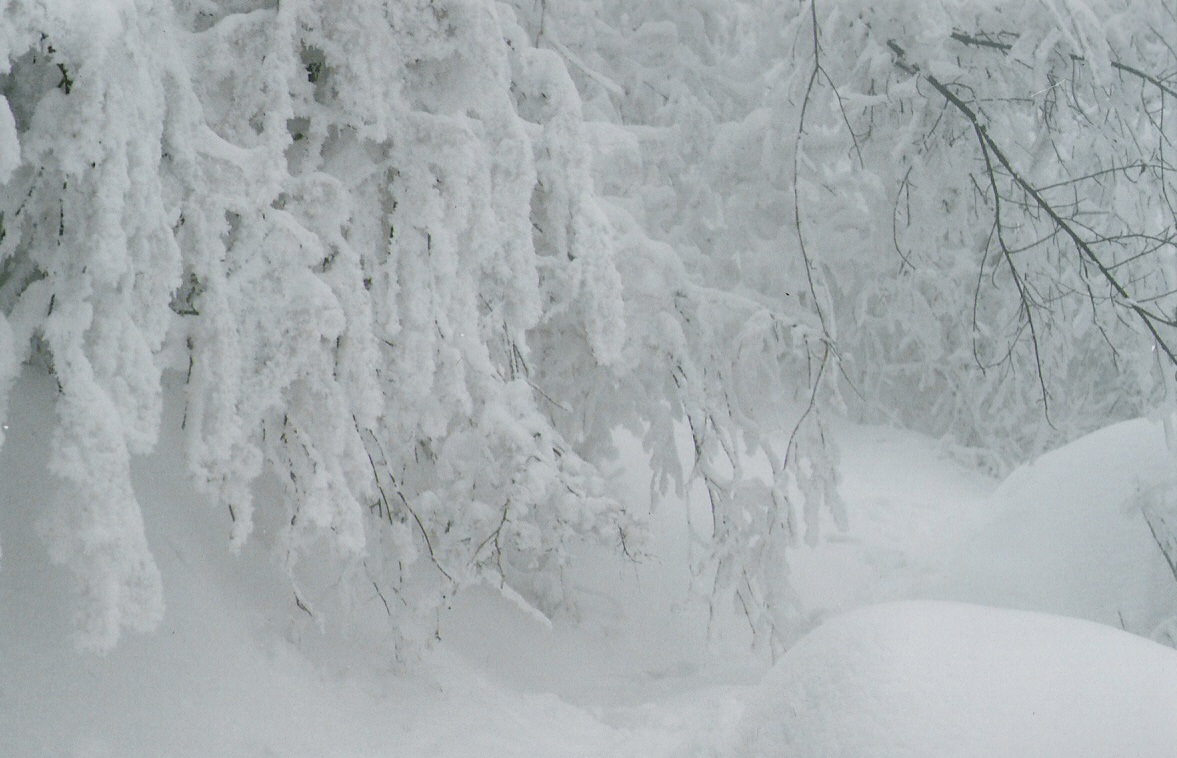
{"x": 940, "y": 679}
{"x": 234, "y": 670}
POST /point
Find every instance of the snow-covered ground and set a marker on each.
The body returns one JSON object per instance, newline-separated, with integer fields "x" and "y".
{"x": 231, "y": 673}
{"x": 933, "y": 679}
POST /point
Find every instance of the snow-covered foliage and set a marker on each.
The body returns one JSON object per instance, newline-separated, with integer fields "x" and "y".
{"x": 419, "y": 260}
{"x": 89, "y": 266}
{"x": 321, "y": 216}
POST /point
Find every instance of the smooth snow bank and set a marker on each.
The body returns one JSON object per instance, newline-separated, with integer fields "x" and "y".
{"x": 1066, "y": 535}
{"x": 937, "y": 679}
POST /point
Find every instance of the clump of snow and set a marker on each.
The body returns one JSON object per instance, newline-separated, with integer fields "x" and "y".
{"x": 933, "y": 679}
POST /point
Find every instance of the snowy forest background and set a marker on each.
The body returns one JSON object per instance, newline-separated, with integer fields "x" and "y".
{"x": 415, "y": 263}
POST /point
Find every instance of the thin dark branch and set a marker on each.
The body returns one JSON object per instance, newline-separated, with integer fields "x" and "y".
{"x": 1145, "y": 76}
{"x": 986, "y": 41}
{"x": 809, "y": 408}
{"x": 495, "y": 535}
{"x": 1170, "y": 558}
{"x": 404, "y": 502}
{"x": 797, "y": 170}
{"x": 425, "y": 535}
{"x": 1027, "y": 304}
{"x": 1149, "y": 318}
{"x": 904, "y": 185}
{"x": 1139, "y": 166}
{"x": 976, "y": 41}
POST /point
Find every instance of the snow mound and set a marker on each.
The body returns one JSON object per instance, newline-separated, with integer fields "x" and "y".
{"x": 937, "y": 679}
{"x": 1066, "y": 535}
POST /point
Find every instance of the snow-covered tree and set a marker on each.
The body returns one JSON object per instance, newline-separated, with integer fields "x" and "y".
{"x": 320, "y": 217}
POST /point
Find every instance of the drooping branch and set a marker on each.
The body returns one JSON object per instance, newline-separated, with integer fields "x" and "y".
{"x": 1023, "y": 295}
{"x": 1150, "y": 318}
{"x": 817, "y": 71}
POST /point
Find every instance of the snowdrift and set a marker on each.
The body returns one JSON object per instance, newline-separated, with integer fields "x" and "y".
{"x": 1065, "y": 534}
{"x": 935, "y": 679}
